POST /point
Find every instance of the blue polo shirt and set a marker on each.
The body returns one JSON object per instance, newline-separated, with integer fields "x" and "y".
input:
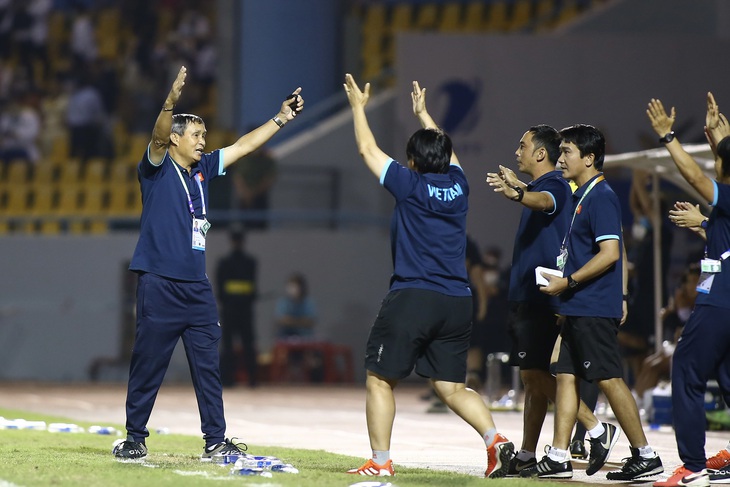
{"x": 718, "y": 242}
{"x": 166, "y": 226}
{"x": 598, "y": 218}
{"x": 538, "y": 240}
{"x": 428, "y": 229}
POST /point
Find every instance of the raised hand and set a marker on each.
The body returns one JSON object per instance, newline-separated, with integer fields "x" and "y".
{"x": 660, "y": 121}
{"x": 356, "y": 96}
{"x": 418, "y": 96}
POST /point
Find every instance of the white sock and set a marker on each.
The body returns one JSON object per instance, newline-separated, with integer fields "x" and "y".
{"x": 380, "y": 457}
{"x": 597, "y": 431}
{"x": 646, "y": 452}
{"x": 558, "y": 455}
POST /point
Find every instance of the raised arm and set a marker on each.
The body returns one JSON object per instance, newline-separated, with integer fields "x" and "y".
{"x": 418, "y": 96}
{"x": 161, "y": 132}
{"x": 248, "y": 143}
{"x": 688, "y": 167}
{"x": 373, "y": 156}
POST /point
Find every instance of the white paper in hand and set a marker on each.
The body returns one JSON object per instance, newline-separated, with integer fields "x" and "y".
{"x": 541, "y": 281}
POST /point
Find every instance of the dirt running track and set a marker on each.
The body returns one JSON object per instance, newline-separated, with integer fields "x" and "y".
{"x": 320, "y": 418}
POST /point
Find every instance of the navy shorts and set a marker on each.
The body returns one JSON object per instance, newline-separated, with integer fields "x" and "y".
{"x": 589, "y": 348}
{"x": 534, "y": 330}
{"x": 421, "y": 328}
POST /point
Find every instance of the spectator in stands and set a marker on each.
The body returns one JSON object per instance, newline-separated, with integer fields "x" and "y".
{"x": 175, "y": 297}
{"x": 84, "y": 48}
{"x": 20, "y": 129}
{"x": 425, "y": 320}
{"x": 86, "y": 119}
{"x": 296, "y": 313}
{"x": 704, "y": 346}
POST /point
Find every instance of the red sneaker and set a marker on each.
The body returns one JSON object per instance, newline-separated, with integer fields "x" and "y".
{"x": 682, "y": 477}
{"x": 499, "y": 453}
{"x": 719, "y": 461}
{"x": 373, "y": 469}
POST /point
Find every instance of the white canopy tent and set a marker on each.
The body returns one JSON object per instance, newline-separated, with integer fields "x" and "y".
{"x": 660, "y": 164}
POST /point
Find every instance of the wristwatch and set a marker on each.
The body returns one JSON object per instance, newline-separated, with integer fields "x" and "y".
{"x": 572, "y": 284}
{"x": 520, "y": 193}
{"x": 667, "y": 138}
{"x": 703, "y": 225}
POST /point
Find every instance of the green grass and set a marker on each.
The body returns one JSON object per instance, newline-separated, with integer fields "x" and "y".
{"x": 41, "y": 458}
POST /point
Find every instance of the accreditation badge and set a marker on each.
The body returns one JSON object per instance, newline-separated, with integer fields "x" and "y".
{"x": 562, "y": 258}
{"x": 200, "y": 228}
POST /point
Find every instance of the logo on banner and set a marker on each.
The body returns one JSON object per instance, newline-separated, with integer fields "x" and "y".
{"x": 461, "y": 108}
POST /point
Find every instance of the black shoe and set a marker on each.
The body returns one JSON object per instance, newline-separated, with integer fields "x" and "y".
{"x": 549, "y": 469}
{"x": 223, "y": 448}
{"x": 516, "y": 466}
{"x": 637, "y": 466}
{"x": 720, "y": 476}
{"x": 601, "y": 448}
{"x": 578, "y": 450}
{"x": 129, "y": 449}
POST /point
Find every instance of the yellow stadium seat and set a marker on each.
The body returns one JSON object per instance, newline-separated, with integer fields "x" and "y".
{"x": 426, "y": 16}
{"x": 68, "y": 200}
{"x": 568, "y": 12}
{"x": 92, "y": 200}
{"x": 50, "y": 226}
{"x": 16, "y": 200}
{"x": 16, "y": 174}
{"x": 497, "y": 20}
{"x": 474, "y": 17}
{"x": 94, "y": 172}
{"x": 43, "y": 199}
{"x": 70, "y": 172}
{"x": 450, "y": 20}
{"x": 401, "y": 17}
{"x": 544, "y": 14}
{"x": 521, "y": 15}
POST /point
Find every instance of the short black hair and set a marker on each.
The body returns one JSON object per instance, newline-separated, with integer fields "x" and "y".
{"x": 547, "y": 137}
{"x": 180, "y": 122}
{"x": 430, "y": 151}
{"x": 588, "y": 139}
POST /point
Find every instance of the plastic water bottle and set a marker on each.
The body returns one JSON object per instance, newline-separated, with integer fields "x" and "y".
{"x": 163, "y": 431}
{"x": 284, "y": 468}
{"x": 21, "y": 424}
{"x": 251, "y": 461}
{"x": 251, "y": 471}
{"x": 103, "y": 430}
{"x": 65, "y": 428}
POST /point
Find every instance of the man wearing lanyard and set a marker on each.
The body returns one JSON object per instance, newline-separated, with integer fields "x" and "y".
{"x": 174, "y": 297}
{"x": 533, "y": 322}
{"x": 591, "y": 302}
{"x": 703, "y": 349}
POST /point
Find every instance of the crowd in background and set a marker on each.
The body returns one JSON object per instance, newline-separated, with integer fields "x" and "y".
{"x": 80, "y": 69}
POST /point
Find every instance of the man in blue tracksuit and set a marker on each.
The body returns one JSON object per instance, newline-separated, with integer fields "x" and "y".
{"x": 174, "y": 296}
{"x": 703, "y": 349}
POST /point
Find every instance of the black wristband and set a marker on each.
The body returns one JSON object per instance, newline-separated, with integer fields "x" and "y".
{"x": 626, "y": 297}
{"x": 520, "y": 193}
